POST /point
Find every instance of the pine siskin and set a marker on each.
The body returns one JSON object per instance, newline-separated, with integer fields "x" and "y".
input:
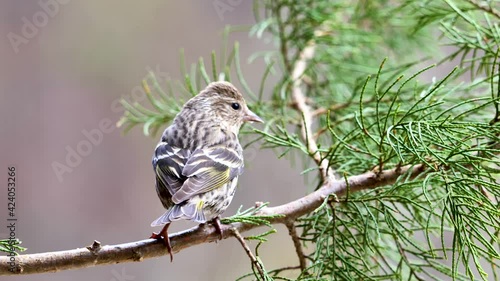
{"x": 199, "y": 158}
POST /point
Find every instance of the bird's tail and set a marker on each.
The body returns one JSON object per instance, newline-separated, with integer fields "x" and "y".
{"x": 181, "y": 212}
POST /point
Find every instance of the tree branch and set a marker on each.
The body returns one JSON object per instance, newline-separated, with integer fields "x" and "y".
{"x": 150, "y": 248}
{"x": 299, "y": 101}
{"x": 485, "y": 8}
{"x": 253, "y": 259}
{"x": 292, "y": 231}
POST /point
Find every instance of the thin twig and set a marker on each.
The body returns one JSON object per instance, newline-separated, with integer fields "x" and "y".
{"x": 299, "y": 100}
{"x": 323, "y": 110}
{"x": 277, "y": 271}
{"x": 485, "y": 8}
{"x": 281, "y": 31}
{"x": 252, "y": 257}
{"x": 292, "y": 231}
{"x": 334, "y": 107}
{"x": 150, "y": 248}
{"x": 405, "y": 258}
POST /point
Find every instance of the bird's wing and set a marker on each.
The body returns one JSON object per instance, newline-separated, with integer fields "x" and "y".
{"x": 168, "y": 163}
{"x": 208, "y": 169}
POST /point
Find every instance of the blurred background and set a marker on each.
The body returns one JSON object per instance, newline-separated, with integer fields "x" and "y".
{"x": 63, "y": 66}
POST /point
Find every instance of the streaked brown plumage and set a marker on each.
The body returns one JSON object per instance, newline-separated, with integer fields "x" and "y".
{"x": 198, "y": 159}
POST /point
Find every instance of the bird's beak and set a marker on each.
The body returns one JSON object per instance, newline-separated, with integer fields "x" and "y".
{"x": 252, "y": 117}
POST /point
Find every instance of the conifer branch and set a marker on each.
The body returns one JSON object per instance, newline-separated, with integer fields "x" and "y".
{"x": 292, "y": 231}
{"x": 485, "y": 8}
{"x": 248, "y": 251}
{"x": 299, "y": 101}
{"x": 150, "y": 248}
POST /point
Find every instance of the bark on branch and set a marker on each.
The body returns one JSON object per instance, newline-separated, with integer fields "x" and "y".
{"x": 299, "y": 101}
{"x": 138, "y": 251}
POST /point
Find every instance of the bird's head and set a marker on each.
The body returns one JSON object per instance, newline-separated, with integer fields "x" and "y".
{"x": 225, "y": 103}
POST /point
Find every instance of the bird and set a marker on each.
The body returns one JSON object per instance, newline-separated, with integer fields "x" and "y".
{"x": 198, "y": 159}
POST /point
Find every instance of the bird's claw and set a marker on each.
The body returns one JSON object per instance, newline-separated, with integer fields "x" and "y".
{"x": 163, "y": 237}
{"x": 218, "y": 228}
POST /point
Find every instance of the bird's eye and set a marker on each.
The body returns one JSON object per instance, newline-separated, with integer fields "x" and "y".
{"x": 235, "y": 105}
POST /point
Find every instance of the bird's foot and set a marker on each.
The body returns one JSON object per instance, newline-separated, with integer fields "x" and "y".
{"x": 218, "y": 227}
{"x": 163, "y": 237}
